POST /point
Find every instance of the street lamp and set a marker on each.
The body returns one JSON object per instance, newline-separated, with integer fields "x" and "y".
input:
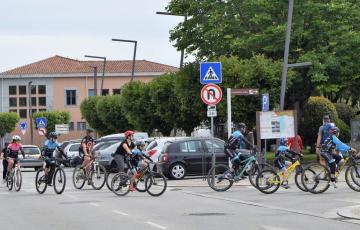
{"x": 182, "y": 50}
{"x": 95, "y": 80}
{"x": 135, "y": 45}
{"x": 30, "y": 113}
{"x": 103, "y": 75}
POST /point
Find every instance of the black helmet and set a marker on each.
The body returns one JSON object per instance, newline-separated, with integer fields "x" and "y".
{"x": 89, "y": 130}
{"x": 53, "y": 135}
{"x": 241, "y": 125}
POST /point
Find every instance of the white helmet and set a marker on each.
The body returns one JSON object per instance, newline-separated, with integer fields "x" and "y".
{"x": 16, "y": 138}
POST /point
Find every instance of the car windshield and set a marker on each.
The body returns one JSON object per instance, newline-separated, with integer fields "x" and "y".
{"x": 31, "y": 150}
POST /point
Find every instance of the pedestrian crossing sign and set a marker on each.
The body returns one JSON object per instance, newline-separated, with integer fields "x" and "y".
{"x": 210, "y": 72}
{"x": 41, "y": 122}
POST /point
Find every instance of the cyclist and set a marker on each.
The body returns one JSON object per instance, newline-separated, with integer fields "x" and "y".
{"x": 328, "y": 147}
{"x": 283, "y": 152}
{"x": 125, "y": 148}
{"x": 85, "y": 148}
{"x": 50, "y": 146}
{"x": 322, "y": 135}
{"x": 13, "y": 152}
{"x": 4, "y": 162}
{"x": 236, "y": 141}
{"x": 137, "y": 162}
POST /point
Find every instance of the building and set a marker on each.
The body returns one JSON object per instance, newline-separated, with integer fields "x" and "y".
{"x": 60, "y": 83}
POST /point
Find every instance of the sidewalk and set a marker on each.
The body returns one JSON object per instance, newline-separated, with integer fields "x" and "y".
{"x": 352, "y": 212}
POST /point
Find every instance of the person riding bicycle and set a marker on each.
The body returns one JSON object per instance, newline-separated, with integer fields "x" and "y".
{"x": 124, "y": 149}
{"x": 283, "y": 153}
{"x": 328, "y": 147}
{"x": 49, "y": 147}
{"x": 85, "y": 148}
{"x": 4, "y": 162}
{"x": 236, "y": 141}
{"x": 12, "y": 152}
{"x": 137, "y": 161}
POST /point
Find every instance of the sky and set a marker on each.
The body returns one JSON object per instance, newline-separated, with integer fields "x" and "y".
{"x": 32, "y": 30}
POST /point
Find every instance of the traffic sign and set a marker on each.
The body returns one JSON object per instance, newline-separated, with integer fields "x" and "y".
{"x": 211, "y": 94}
{"x": 211, "y": 112}
{"x": 42, "y": 131}
{"x": 41, "y": 122}
{"x": 265, "y": 102}
{"x": 210, "y": 72}
{"x": 62, "y": 129}
{"x": 23, "y": 125}
{"x": 244, "y": 92}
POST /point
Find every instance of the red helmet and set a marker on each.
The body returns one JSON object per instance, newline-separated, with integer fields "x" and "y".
{"x": 129, "y": 133}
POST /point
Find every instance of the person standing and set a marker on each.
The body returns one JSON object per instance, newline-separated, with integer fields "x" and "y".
{"x": 291, "y": 143}
{"x": 5, "y": 163}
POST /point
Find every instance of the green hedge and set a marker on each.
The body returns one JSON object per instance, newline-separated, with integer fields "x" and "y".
{"x": 345, "y": 112}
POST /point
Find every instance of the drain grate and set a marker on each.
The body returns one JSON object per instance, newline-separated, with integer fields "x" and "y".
{"x": 207, "y": 214}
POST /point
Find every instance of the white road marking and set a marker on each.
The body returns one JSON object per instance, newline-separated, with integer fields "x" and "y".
{"x": 251, "y": 187}
{"x": 272, "y": 228}
{"x": 356, "y": 201}
{"x": 72, "y": 197}
{"x": 120, "y": 213}
{"x": 155, "y": 225}
{"x": 94, "y": 204}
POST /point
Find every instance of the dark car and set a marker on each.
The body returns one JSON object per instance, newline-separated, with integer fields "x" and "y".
{"x": 191, "y": 156}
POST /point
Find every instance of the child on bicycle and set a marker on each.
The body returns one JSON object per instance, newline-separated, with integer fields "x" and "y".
{"x": 328, "y": 147}
{"x": 13, "y": 151}
{"x": 280, "y": 161}
{"x": 137, "y": 162}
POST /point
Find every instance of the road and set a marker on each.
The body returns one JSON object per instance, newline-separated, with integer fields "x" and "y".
{"x": 183, "y": 206}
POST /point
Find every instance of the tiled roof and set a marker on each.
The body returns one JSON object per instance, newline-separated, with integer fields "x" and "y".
{"x": 63, "y": 65}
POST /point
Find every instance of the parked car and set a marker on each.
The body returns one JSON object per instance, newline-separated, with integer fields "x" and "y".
{"x": 106, "y": 158}
{"x": 120, "y": 137}
{"x": 190, "y": 156}
{"x": 32, "y": 157}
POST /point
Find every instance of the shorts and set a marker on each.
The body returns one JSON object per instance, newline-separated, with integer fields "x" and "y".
{"x": 281, "y": 164}
{"x": 49, "y": 161}
{"x": 331, "y": 157}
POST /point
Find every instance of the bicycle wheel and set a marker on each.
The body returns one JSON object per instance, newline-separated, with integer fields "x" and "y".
{"x": 217, "y": 179}
{"x": 316, "y": 178}
{"x": 79, "y": 177}
{"x": 140, "y": 184}
{"x": 255, "y": 170}
{"x": 155, "y": 183}
{"x": 109, "y": 177}
{"x": 98, "y": 177}
{"x": 40, "y": 182}
{"x": 352, "y": 176}
{"x": 120, "y": 184}
{"x": 59, "y": 180}
{"x": 9, "y": 181}
{"x": 298, "y": 182}
{"x": 17, "y": 180}
{"x": 267, "y": 181}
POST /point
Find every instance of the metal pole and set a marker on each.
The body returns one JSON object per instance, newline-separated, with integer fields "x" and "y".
{"x": 95, "y": 81}
{"x": 103, "y": 77}
{"x": 133, "y": 64}
{"x": 286, "y": 54}
{"x": 228, "y": 104}
{"x": 30, "y": 114}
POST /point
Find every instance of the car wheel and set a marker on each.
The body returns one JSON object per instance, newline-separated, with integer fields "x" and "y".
{"x": 177, "y": 171}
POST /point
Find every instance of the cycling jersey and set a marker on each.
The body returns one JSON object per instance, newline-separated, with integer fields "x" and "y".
{"x": 283, "y": 153}
{"x": 89, "y": 142}
{"x": 13, "y": 150}
{"x": 49, "y": 147}
{"x": 234, "y": 140}
{"x": 331, "y": 143}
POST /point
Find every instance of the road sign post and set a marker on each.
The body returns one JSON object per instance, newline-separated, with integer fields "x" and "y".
{"x": 23, "y": 126}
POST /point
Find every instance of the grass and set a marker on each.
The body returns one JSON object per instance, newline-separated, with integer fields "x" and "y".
{"x": 308, "y": 157}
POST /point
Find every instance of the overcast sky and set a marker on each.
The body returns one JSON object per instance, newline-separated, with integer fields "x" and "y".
{"x": 32, "y": 30}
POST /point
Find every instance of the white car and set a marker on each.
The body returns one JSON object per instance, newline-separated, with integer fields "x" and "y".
{"x": 32, "y": 157}
{"x": 153, "y": 150}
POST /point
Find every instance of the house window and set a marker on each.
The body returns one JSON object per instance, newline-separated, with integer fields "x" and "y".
{"x": 23, "y": 113}
{"x": 12, "y": 110}
{"x": 22, "y": 89}
{"x": 22, "y": 101}
{"x": 71, "y": 97}
{"x": 34, "y": 111}
{"x": 12, "y": 101}
{"x": 116, "y": 91}
{"x": 42, "y": 101}
{"x": 33, "y": 101}
{"x": 105, "y": 92}
{"x": 33, "y": 89}
{"x": 81, "y": 126}
{"x": 71, "y": 126}
{"x": 91, "y": 92}
{"x": 42, "y": 89}
{"x": 12, "y": 90}
{"x": 42, "y": 110}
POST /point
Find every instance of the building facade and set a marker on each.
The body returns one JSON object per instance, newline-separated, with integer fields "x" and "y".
{"x": 60, "y": 83}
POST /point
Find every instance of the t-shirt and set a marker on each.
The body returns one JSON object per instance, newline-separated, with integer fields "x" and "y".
{"x": 120, "y": 150}
{"x": 49, "y": 147}
{"x": 13, "y": 150}
{"x": 89, "y": 142}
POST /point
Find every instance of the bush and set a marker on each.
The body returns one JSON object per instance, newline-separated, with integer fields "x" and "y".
{"x": 345, "y": 132}
{"x": 8, "y": 122}
{"x": 345, "y": 112}
{"x": 53, "y": 118}
{"x": 314, "y": 110}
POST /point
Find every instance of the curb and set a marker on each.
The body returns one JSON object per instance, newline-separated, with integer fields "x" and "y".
{"x": 351, "y": 212}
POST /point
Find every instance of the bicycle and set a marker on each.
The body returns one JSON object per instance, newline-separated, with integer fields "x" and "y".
{"x": 319, "y": 175}
{"x": 14, "y": 177}
{"x": 153, "y": 183}
{"x": 56, "y": 175}
{"x": 96, "y": 175}
{"x": 219, "y": 174}
{"x": 268, "y": 181}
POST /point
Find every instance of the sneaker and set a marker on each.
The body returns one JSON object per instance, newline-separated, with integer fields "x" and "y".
{"x": 229, "y": 176}
{"x": 89, "y": 182}
{"x": 285, "y": 186}
{"x": 334, "y": 184}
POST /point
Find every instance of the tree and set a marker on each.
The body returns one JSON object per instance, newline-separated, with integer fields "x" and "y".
{"x": 8, "y": 122}
{"x": 109, "y": 111}
{"x": 325, "y": 32}
{"x": 53, "y": 118}
{"x": 88, "y": 111}
{"x": 345, "y": 112}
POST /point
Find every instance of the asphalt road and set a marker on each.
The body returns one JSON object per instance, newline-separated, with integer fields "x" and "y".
{"x": 182, "y": 206}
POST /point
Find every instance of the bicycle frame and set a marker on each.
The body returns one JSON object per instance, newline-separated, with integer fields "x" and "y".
{"x": 248, "y": 161}
{"x": 289, "y": 172}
